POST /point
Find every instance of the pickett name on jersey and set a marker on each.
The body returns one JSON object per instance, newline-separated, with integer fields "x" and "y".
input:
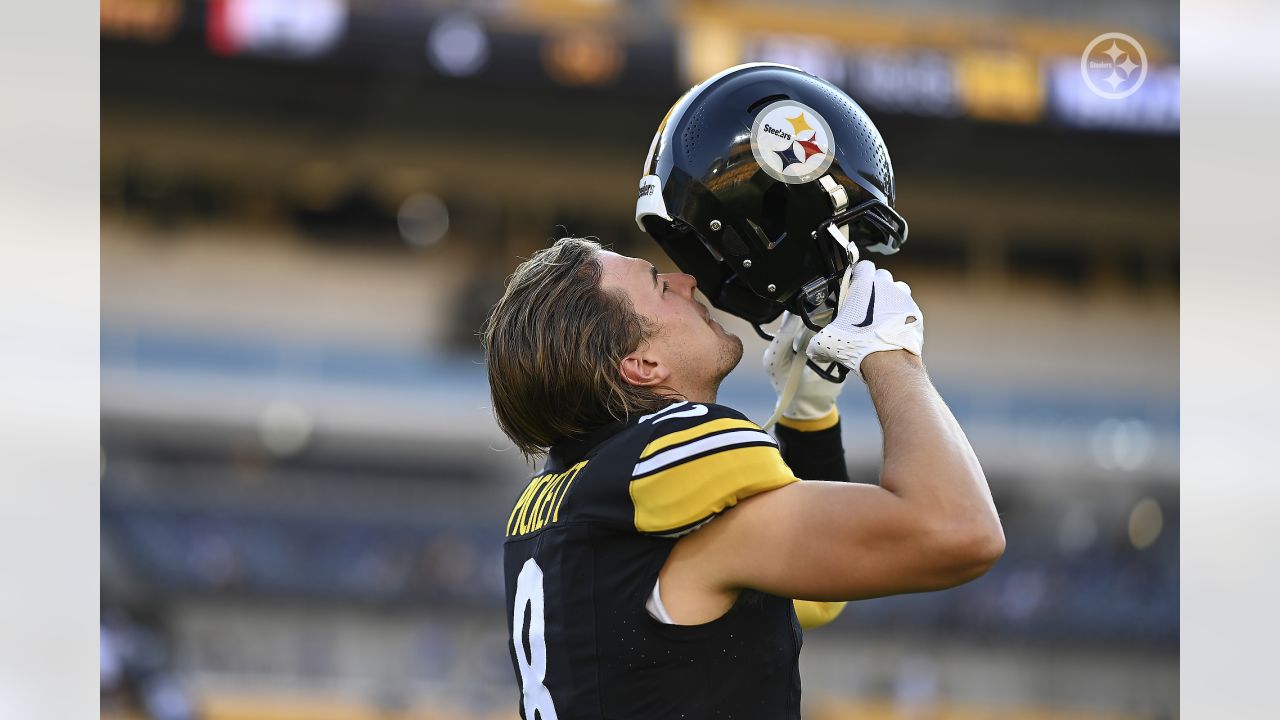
{"x": 540, "y": 502}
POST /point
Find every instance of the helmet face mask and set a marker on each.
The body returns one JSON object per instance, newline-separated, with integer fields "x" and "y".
{"x": 747, "y": 177}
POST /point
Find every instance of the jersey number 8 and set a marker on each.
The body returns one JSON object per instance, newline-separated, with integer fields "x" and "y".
{"x": 533, "y": 668}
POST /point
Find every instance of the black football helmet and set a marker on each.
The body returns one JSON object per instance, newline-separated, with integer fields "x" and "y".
{"x": 749, "y": 180}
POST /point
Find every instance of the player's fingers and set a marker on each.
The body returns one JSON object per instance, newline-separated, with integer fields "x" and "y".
{"x": 860, "y": 284}
{"x": 863, "y": 271}
{"x": 903, "y": 286}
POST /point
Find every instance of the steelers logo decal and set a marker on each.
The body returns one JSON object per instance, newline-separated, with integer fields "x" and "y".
{"x": 792, "y": 142}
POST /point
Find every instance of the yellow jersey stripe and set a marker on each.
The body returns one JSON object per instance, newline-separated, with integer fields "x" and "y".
{"x": 715, "y": 442}
{"x": 695, "y": 490}
{"x": 692, "y": 433}
{"x": 813, "y": 613}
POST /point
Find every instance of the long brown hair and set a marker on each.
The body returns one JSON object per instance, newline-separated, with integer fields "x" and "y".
{"x": 554, "y": 343}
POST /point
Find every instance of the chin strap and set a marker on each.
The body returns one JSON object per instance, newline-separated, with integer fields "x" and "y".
{"x": 842, "y": 237}
{"x": 840, "y": 201}
{"x": 798, "y": 343}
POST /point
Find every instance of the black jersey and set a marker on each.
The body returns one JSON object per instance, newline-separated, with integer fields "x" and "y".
{"x": 585, "y": 543}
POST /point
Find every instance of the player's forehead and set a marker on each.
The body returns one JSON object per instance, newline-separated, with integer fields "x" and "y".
{"x": 624, "y": 271}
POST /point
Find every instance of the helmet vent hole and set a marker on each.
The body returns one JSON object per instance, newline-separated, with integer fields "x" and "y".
{"x": 693, "y": 131}
{"x": 873, "y": 148}
{"x": 765, "y": 101}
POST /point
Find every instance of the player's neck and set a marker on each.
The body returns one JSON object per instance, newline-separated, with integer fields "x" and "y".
{"x": 697, "y": 394}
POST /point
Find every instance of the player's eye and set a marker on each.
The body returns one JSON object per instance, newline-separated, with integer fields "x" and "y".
{"x": 665, "y": 286}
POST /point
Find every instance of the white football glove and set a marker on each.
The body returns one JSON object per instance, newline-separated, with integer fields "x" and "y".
{"x": 813, "y": 397}
{"x": 876, "y": 314}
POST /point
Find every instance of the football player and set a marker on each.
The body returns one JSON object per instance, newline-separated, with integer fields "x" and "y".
{"x": 652, "y": 562}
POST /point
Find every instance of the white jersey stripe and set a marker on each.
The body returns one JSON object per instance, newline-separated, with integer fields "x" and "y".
{"x": 694, "y": 411}
{"x": 667, "y": 409}
{"x": 681, "y": 452}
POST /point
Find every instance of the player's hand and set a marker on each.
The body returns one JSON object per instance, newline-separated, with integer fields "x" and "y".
{"x": 814, "y": 396}
{"x": 877, "y": 313}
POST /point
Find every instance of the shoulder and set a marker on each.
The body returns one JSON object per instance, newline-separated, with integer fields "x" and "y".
{"x": 684, "y": 431}
{"x": 691, "y": 461}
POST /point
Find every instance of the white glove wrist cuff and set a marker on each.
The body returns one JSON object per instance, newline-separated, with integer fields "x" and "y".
{"x": 812, "y": 424}
{"x": 810, "y": 409}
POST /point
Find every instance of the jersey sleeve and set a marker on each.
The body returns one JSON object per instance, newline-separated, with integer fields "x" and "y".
{"x": 700, "y": 459}
{"x": 813, "y": 449}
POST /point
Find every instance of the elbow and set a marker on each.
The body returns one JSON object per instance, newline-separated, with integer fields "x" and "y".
{"x": 970, "y": 552}
{"x": 986, "y": 549}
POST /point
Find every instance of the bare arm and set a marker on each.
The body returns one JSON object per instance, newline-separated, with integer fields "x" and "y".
{"x": 931, "y": 523}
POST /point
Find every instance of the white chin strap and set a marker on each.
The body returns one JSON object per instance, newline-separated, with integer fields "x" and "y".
{"x": 800, "y": 340}
{"x": 798, "y": 343}
{"x": 842, "y": 237}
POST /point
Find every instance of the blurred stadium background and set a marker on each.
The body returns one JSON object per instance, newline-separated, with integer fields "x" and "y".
{"x": 308, "y": 207}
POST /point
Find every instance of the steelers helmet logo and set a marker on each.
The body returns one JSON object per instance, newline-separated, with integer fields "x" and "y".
{"x": 792, "y": 142}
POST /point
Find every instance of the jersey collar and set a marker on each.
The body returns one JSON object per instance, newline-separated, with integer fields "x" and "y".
{"x": 570, "y": 450}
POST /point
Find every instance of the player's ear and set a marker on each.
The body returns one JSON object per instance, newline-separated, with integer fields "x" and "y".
{"x": 641, "y": 369}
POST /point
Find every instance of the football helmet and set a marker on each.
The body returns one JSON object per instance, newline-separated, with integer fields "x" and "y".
{"x": 763, "y": 182}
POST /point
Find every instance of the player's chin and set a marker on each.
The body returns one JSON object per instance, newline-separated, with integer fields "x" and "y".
{"x": 733, "y": 348}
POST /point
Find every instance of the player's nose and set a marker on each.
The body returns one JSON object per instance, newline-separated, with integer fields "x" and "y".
{"x": 685, "y": 282}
